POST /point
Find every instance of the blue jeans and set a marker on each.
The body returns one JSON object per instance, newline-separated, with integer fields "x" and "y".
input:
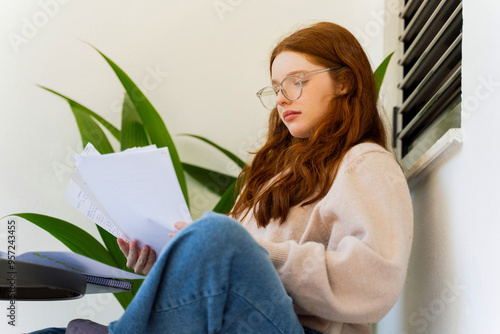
{"x": 213, "y": 278}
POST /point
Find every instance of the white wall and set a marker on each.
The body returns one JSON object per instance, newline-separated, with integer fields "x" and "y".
{"x": 200, "y": 68}
{"x": 452, "y": 284}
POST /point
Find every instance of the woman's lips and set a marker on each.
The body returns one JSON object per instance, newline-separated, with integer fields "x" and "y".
{"x": 289, "y": 115}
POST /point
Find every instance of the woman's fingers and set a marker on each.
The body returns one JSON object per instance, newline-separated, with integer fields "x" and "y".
{"x": 179, "y": 226}
{"x": 123, "y": 246}
{"x": 142, "y": 258}
{"x": 145, "y": 261}
{"x": 141, "y": 261}
{"x": 151, "y": 259}
{"x": 133, "y": 253}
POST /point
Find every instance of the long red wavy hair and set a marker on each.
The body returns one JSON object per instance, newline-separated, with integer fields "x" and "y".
{"x": 303, "y": 170}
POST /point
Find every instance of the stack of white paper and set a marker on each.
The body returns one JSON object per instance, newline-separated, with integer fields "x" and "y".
{"x": 134, "y": 194}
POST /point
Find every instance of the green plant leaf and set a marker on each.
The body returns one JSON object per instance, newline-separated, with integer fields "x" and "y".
{"x": 153, "y": 124}
{"x": 113, "y": 249}
{"x": 214, "y": 181}
{"x": 133, "y": 132}
{"x": 230, "y": 155}
{"x": 91, "y": 131}
{"x": 125, "y": 298}
{"x": 227, "y": 200}
{"x": 114, "y": 131}
{"x": 76, "y": 239}
{"x": 379, "y": 73}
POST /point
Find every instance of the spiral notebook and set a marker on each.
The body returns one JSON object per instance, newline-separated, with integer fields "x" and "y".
{"x": 96, "y": 284}
{"x": 101, "y": 278}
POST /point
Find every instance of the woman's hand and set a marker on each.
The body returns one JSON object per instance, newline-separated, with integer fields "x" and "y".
{"x": 141, "y": 261}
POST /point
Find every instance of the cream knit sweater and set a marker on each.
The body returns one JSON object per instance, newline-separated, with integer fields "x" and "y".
{"x": 343, "y": 259}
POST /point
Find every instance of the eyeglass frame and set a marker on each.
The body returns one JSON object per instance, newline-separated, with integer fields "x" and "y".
{"x": 279, "y": 88}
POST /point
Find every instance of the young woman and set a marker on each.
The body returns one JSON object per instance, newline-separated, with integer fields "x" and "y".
{"x": 319, "y": 238}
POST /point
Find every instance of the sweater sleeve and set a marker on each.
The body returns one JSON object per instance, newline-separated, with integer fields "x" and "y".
{"x": 359, "y": 275}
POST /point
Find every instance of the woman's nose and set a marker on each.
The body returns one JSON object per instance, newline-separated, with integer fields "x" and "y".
{"x": 281, "y": 98}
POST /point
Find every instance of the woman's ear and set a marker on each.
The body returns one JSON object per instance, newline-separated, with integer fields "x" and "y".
{"x": 340, "y": 88}
{"x": 344, "y": 83}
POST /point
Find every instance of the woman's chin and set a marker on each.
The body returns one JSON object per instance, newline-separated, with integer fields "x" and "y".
{"x": 298, "y": 133}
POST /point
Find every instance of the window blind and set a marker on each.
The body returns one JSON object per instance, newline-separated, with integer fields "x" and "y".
{"x": 431, "y": 84}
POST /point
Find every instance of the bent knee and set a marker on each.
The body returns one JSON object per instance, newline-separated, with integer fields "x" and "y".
{"x": 220, "y": 228}
{"x": 219, "y": 223}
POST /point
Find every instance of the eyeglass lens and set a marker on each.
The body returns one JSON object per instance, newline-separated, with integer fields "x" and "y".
{"x": 291, "y": 87}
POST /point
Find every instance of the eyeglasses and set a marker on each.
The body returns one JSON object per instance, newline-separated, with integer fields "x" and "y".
{"x": 291, "y": 87}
